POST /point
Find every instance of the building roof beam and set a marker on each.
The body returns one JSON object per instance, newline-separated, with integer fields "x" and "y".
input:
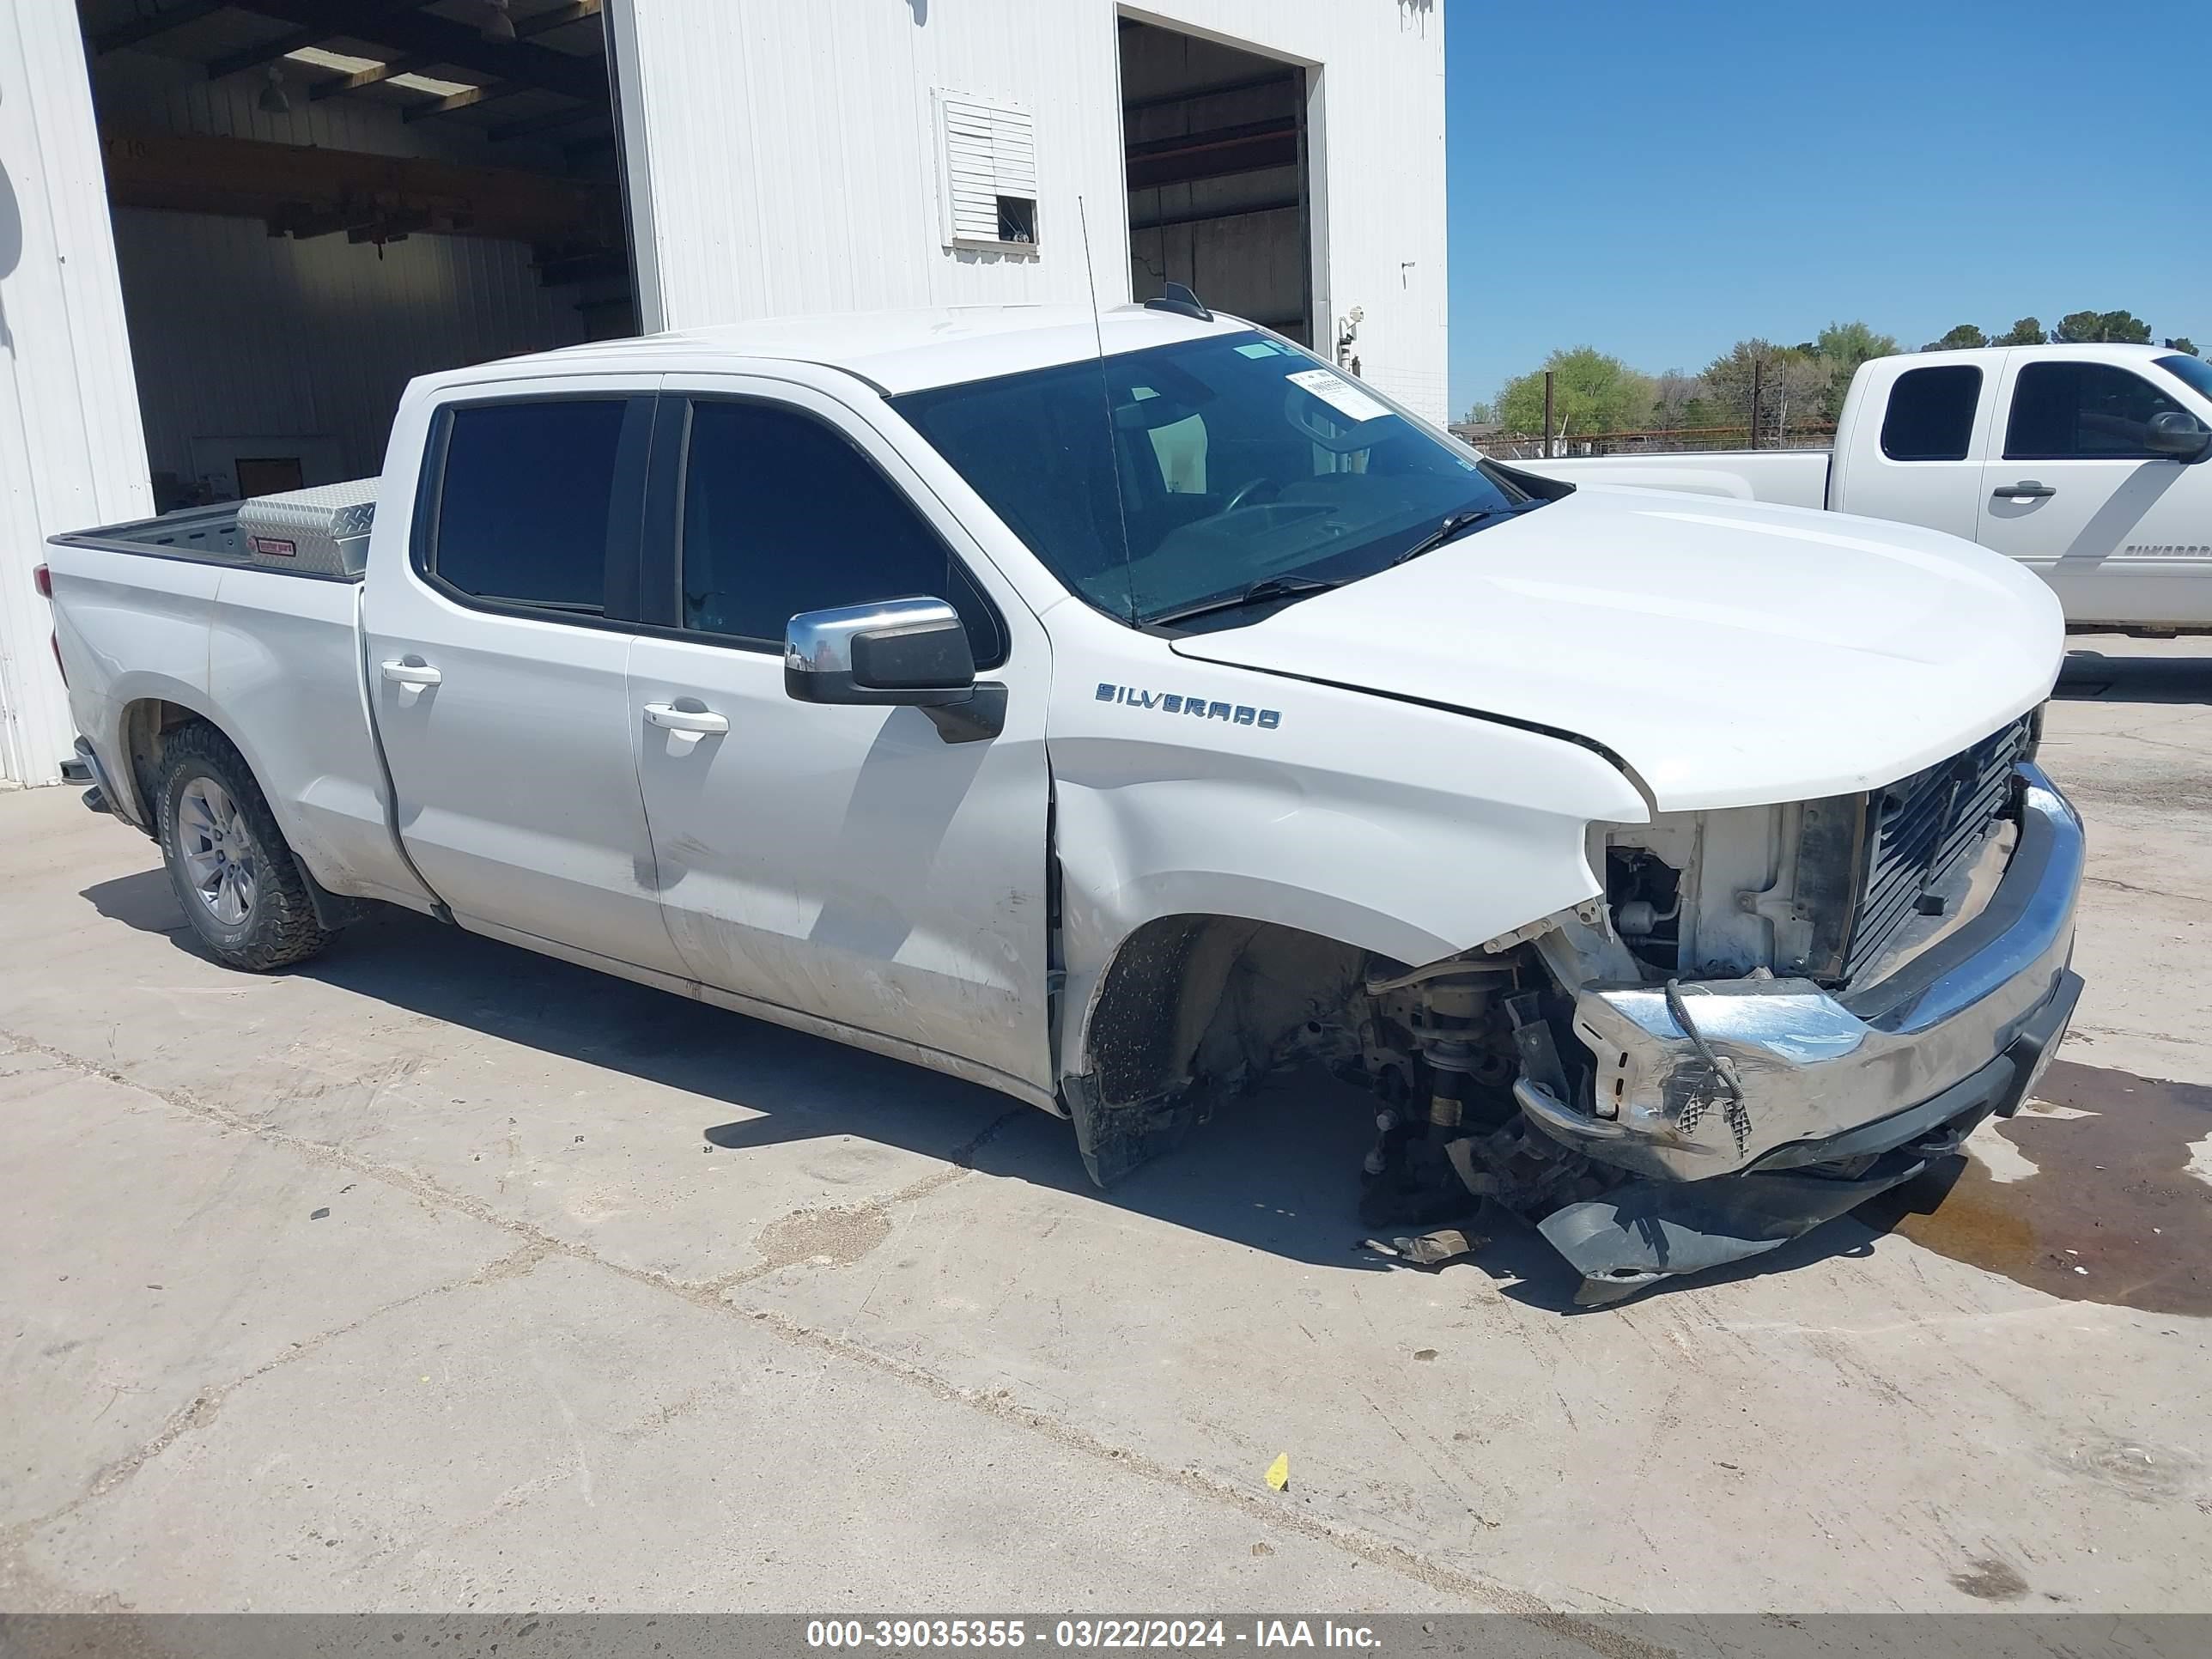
{"x": 410, "y": 32}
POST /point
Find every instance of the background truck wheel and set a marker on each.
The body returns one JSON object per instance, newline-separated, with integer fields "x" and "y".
{"x": 233, "y": 875}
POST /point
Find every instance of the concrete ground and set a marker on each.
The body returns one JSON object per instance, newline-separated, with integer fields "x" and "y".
{"x": 436, "y": 1275}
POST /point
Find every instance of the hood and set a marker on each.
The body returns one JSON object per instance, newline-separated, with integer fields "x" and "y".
{"x": 1731, "y": 654}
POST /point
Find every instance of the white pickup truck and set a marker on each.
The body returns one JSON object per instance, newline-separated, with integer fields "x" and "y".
{"x": 2083, "y": 462}
{"x": 1113, "y": 709}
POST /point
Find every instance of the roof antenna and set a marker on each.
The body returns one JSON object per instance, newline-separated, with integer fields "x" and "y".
{"x": 1106, "y": 399}
{"x": 1182, "y": 301}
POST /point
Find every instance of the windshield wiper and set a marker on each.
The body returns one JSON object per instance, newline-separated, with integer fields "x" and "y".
{"x": 1267, "y": 587}
{"x": 1456, "y": 524}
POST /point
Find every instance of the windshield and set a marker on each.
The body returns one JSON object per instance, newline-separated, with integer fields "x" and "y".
{"x": 2192, "y": 372}
{"x": 1240, "y": 460}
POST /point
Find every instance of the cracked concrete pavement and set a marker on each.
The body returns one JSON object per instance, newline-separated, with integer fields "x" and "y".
{"x": 435, "y": 1274}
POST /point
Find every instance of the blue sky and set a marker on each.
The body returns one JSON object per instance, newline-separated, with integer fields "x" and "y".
{"x": 1662, "y": 179}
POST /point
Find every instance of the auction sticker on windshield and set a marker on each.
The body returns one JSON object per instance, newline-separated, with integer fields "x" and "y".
{"x": 1338, "y": 393}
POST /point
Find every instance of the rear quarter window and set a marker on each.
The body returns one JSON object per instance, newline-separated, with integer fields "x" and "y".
{"x": 524, "y": 504}
{"x": 1931, "y": 413}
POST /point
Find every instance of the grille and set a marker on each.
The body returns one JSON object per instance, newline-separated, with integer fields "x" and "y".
{"x": 1922, "y": 828}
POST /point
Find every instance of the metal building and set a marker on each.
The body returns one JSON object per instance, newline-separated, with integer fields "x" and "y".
{"x": 231, "y": 230}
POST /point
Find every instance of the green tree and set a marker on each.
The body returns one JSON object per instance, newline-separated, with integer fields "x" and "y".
{"x": 2185, "y": 345}
{"x": 1591, "y": 391}
{"x": 2028, "y": 331}
{"x": 1842, "y": 348}
{"x": 1850, "y": 345}
{"x": 2084, "y": 327}
{"x": 1480, "y": 414}
{"x": 1959, "y": 339}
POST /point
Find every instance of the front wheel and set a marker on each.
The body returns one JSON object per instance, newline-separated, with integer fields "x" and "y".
{"x": 241, "y": 891}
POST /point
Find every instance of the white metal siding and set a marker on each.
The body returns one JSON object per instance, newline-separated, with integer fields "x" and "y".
{"x": 71, "y": 450}
{"x": 276, "y": 338}
{"x": 784, "y": 157}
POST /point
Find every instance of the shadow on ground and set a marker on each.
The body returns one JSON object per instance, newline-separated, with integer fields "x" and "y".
{"x": 2090, "y": 676}
{"x": 1276, "y": 1170}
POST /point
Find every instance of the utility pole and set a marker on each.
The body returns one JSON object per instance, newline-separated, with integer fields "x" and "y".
{"x": 1547, "y": 416}
{"x": 1758, "y": 368}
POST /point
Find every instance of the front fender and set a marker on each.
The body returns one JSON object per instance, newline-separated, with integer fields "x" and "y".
{"x": 1412, "y": 832}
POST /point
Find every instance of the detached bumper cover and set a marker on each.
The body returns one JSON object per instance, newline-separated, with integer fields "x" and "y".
{"x": 1647, "y": 1229}
{"x": 1782, "y": 1073}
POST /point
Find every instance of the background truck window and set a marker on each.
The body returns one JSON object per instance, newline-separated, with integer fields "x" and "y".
{"x": 1932, "y": 414}
{"x": 523, "y": 513}
{"x": 2081, "y": 411}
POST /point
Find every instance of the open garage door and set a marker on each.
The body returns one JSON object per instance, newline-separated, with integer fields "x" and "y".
{"x": 1215, "y": 142}
{"x": 315, "y": 200}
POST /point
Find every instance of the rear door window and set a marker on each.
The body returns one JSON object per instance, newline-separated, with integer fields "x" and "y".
{"x": 530, "y": 495}
{"x": 1932, "y": 414}
{"x": 2081, "y": 411}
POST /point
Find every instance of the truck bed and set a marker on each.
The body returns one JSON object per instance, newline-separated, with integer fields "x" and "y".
{"x": 1785, "y": 478}
{"x": 322, "y": 531}
{"x": 208, "y": 532}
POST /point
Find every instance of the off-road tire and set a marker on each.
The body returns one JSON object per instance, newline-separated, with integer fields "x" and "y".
{"x": 278, "y": 926}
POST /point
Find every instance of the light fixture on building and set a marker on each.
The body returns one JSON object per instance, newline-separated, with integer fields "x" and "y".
{"x": 497, "y": 25}
{"x": 273, "y": 100}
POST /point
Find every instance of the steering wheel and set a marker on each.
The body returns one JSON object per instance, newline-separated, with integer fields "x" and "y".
{"x": 1250, "y": 487}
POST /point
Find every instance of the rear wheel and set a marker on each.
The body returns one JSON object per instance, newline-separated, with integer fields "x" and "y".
{"x": 234, "y": 876}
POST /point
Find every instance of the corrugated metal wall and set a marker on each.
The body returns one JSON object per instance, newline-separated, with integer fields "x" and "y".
{"x": 274, "y": 337}
{"x": 70, "y": 453}
{"x": 782, "y": 159}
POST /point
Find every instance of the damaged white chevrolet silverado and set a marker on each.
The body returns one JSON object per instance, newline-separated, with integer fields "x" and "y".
{"x": 1113, "y": 709}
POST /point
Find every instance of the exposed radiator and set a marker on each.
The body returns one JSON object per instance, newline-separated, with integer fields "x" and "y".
{"x": 1924, "y": 827}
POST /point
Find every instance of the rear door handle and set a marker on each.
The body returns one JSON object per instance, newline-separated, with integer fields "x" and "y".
{"x": 2026, "y": 486}
{"x": 401, "y": 672}
{"x": 700, "y": 721}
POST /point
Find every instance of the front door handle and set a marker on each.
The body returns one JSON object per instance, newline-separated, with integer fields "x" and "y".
{"x": 698, "y": 721}
{"x": 2026, "y": 486}
{"x": 401, "y": 672}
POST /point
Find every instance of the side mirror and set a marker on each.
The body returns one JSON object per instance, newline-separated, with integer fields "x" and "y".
{"x": 2178, "y": 435}
{"x": 906, "y": 652}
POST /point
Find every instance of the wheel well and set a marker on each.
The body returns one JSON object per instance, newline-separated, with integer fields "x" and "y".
{"x": 1191, "y": 1003}
{"x": 1207, "y": 995}
{"x": 147, "y": 725}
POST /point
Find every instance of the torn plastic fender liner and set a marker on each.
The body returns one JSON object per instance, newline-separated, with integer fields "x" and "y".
{"x": 1116, "y": 1139}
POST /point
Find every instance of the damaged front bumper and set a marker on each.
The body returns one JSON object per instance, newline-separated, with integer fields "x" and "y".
{"x": 1754, "y": 1110}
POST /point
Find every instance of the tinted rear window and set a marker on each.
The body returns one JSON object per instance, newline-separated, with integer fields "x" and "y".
{"x": 523, "y": 515}
{"x": 1932, "y": 414}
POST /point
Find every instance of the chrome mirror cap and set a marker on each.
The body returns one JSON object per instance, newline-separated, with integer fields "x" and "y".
{"x": 912, "y": 652}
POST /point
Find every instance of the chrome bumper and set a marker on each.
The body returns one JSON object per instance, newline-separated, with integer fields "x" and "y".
{"x": 1798, "y": 1066}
